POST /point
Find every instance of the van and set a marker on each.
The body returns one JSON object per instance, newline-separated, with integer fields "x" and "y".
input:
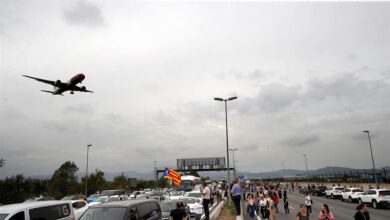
{"x": 148, "y": 209}
{"x": 44, "y": 210}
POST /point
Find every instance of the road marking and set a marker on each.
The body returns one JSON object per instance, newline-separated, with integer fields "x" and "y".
{"x": 291, "y": 207}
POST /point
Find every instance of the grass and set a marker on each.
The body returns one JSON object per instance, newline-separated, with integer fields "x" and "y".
{"x": 229, "y": 205}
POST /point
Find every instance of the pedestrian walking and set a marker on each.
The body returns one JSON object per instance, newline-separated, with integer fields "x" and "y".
{"x": 205, "y": 191}
{"x": 236, "y": 196}
{"x": 302, "y": 214}
{"x": 362, "y": 212}
{"x": 308, "y": 203}
{"x": 285, "y": 204}
{"x": 251, "y": 207}
{"x": 275, "y": 198}
{"x": 325, "y": 213}
{"x": 179, "y": 213}
{"x": 198, "y": 210}
{"x": 271, "y": 208}
{"x": 263, "y": 203}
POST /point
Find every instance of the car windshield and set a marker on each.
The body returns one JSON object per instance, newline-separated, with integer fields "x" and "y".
{"x": 384, "y": 193}
{"x": 190, "y": 200}
{"x": 176, "y": 193}
{"x": 67, "y": 198}
{"x": 339, "y": 189}
{"x": 3, "y": 216}
{"x": 94, "y": 196}
{"x": 102, "y": 199}
{"x": 104, "y": 213}
{"x": 193, "y": 194}
{"x": 357, "y": 190}
{"x": 167, "y": 206}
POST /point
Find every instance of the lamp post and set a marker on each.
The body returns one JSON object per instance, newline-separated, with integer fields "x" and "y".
{"x": 86, "y": 172}
{"x": 227, "y": 137}
{"x": 234, "y": 163}
{"x": 307, "y": 170}
{"x": 372, "y": 157}
{"x": 155, "y": 174}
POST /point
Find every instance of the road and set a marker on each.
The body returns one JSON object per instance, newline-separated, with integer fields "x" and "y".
{"x": 341, "y": 210}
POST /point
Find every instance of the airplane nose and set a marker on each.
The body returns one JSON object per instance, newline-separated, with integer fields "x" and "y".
{"x": 81, "y": 75}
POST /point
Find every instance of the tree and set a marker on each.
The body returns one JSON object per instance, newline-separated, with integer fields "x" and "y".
{"x": 13, "y": 189}
{"x": 2, "y": 162}
{"x": 96, "y": 182}
{"x": 120, "y": 182}
{"x": 64, "y": 180}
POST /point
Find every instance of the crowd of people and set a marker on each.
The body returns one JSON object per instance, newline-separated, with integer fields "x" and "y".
{"x": 263, "y": 200}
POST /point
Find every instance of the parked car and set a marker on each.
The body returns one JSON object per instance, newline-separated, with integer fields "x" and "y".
{"x": 79, "y": 207}
{"x": 92, "y": 198}
{"x": 351, "y": 194}
{"x": 42, "y": 198}
{"x": 375, "y": 197}
{"x": 168, "y": 205}
{"x": 124, "y": 210}
{"x": 74, "y": 197}
{"x": 53, "y": 210}
{"x": 334, "y": 192}
{"x": 318, "y": 191}
{"x": 191, "y": 203}
{"x": 113, "y": 192}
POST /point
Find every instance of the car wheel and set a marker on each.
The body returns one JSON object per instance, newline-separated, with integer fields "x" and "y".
{"x": 342, "y": 198}
{"x": 374, "y": 204}
{"x": 350, "y": 200}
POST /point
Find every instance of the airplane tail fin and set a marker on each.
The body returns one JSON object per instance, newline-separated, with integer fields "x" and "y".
{"x": 50, "y": 92}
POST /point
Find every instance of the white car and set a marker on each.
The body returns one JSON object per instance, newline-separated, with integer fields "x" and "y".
{"x": 375, "y": 197}
{"x": 334, "y": 192}
{"x": 79, "y": 207}
{"x": 56, "y": 210}
{"x": 191, "y": 203}
{"x": 351, "y": 194}
{"x": 176, "y": 195}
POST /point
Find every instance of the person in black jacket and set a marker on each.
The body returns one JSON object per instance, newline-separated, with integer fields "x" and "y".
{"x": 362, "y": 212}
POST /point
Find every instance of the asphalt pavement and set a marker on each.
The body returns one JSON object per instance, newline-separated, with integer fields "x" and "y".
{"x": 341, "y": 210}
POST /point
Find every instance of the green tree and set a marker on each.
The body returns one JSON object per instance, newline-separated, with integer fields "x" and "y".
{"x": 120, "y": 182}
{"x": 96, "y": 182}
{"x": 64, "y": 180}
{"x": 14, "y": 189}
{"x": 2, "y": 162}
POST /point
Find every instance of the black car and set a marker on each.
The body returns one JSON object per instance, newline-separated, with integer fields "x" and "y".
{"x": 124, "y": 210}
{"x": 318, "y": 191}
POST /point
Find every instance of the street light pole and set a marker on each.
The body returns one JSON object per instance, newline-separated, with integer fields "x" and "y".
{"x": 155, "y": 174}
{"x": 307, "y": 170}
{"x": 234, "y": 163}
{"x": 86, "y": 172}
{"x": 227, "y": 138}
{"x": 372, "y": 157}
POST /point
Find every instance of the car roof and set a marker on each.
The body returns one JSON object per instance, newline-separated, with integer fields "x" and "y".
{"x": 19, "y": 206}
{"x": 123, "y": 203}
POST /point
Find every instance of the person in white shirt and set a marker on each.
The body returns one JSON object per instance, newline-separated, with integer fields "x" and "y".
{"x": 308, "y": 203}
{"x": 205, "y": 191}
{"x": 198, "y": 210}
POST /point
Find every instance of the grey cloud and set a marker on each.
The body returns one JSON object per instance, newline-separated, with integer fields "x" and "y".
{"x": 352, "y": 57}
{"x": 300, "y": 141}
{"x": 257, "y": 74}
{"x": 252, "y": 147}
{"x": 274, "y": 97}
{"x": 84, "y": 13}
{"x": 86, "y": 109}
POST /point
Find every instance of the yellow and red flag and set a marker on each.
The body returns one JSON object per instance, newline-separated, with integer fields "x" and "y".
{"x": 172, "y": 174}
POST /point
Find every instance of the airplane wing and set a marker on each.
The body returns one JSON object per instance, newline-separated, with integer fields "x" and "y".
{"x": 81, "y": 89}
{"x": 41, "y": 80}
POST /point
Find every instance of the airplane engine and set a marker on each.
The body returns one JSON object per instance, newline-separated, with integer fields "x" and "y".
{"x": 57, "y": 83}
{"x": 83, "y": 88}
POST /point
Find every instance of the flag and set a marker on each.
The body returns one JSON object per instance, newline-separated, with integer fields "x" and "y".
{"x": 171, "y": 174}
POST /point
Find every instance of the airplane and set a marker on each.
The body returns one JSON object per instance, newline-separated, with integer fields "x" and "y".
{"x": 60, "y": 87}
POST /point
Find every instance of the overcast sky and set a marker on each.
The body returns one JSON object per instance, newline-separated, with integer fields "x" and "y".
{"x": 309, "y": 77}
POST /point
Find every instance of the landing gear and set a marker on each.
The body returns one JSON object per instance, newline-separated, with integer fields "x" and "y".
{"x": 71, "y": 92}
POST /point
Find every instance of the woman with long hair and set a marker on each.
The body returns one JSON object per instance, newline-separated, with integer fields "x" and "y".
{"x": 325, "y": 213}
